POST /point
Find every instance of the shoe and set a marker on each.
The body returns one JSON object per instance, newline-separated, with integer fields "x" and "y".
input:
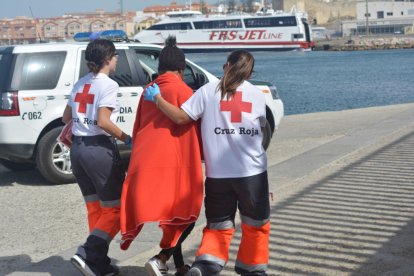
{"x": 194, "y": 271}
{"x": 155, "y": 267}
{"x": 80, "y": 263}
{"x": 183, "y": 274}
{"x": 112, "y": 270}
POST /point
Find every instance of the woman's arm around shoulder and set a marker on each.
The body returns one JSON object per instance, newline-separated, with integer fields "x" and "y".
{"x": 177, "y": 115}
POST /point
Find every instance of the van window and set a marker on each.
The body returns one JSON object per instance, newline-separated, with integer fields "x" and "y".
{"x": 122, "y": 75}
{"x": 37, "y": 71}
{"x": 148, "y": 59}
{"x": 5, "y": 70}
{"x": 149, "y": 62}
{"x": 189, "y": 78}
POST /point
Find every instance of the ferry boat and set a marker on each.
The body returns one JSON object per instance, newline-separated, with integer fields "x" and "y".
{"x": 196, "y": 32}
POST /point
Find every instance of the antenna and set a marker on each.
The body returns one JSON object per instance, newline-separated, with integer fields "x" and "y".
{"x": 121, "y": 3}
{"x": 37, "y": 31}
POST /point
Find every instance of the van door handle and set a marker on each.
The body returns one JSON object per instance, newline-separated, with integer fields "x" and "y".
{"x": 67, "y": 83}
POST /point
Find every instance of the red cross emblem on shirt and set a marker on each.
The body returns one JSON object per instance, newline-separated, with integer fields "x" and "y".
{"x": 84, "y": 98}
{"x": 236, "y": 106}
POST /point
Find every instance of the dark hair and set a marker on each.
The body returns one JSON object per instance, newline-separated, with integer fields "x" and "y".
{"x": 97, "y": 53}
{"x": 171, "y": 57}
{"x": 239, "y": 67}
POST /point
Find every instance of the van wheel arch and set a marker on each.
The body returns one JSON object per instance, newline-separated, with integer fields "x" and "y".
{"x": 53, "y": 124}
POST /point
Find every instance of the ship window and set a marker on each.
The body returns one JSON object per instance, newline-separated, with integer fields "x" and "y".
{"x": 218, "y": 24}
{"x": 171, "y": 26}
{"x": 282, "y": 21}
{"x": 297, "y": 36}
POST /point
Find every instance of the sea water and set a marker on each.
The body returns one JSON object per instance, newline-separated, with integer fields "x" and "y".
{"x": 329, "y": 80}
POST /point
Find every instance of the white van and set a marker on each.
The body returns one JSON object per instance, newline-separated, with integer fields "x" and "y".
{"x": 36, "y": 81}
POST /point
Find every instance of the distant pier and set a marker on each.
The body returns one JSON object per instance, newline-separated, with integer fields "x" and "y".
{"x": 365, "y": 43}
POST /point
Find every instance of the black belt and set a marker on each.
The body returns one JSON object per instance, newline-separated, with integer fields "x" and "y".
{"x": 91, "y": 139}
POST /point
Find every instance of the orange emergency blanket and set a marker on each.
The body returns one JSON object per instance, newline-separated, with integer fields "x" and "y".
{"x": 164, "y": 182}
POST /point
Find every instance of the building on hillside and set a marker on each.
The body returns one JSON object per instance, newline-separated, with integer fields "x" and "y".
{"x": 219, "y": 9}
{"x": 23, "y": 30}
{"x": 300, "y": 5}
{"x": 19, "y": 30}
{"x": 144, "y": 20}
{"x": 160, "y": 10}
{"x": 384, "y": 18}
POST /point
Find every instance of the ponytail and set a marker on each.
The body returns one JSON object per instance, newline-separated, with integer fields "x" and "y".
{"x": 239, "y": 67}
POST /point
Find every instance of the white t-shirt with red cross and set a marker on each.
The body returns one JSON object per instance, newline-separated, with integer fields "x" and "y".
{"x": 231, "y": 129}
{"x": 89, "y": 94}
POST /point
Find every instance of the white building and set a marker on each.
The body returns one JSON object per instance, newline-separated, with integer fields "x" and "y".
{"x": 384, "y": 17}
{"x": 385, "y": 10}
{"x": 319, "y": 33}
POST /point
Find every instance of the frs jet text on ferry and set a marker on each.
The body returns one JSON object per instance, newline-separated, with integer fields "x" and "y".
{"x": 248, "y": 35}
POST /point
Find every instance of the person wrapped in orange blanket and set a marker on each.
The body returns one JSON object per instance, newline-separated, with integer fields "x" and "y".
{"x": 165, "y": 181}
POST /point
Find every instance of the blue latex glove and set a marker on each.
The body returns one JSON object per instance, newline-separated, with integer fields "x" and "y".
{"x": 128, "y": 142}
{"x": 150, "y": 93}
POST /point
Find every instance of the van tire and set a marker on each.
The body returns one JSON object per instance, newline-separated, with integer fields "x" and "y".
{"x": 53, "y": 159}
{"x": 17, "y": 167}
{"x": 267, "y": 135}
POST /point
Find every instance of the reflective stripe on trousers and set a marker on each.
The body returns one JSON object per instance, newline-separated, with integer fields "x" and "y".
{"x": 103, "y": 217}
{"x": 216, "y": 242}
{"x": 253, "y": 255}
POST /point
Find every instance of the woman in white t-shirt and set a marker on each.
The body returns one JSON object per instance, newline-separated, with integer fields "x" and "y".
{"x": 232, "y": 113}
{"x": 93, "y": 108}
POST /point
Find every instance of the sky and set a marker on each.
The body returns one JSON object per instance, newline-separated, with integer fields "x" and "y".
{"x": 51, "y": 8}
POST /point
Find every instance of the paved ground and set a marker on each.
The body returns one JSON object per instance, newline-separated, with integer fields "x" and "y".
{"x": 343, "y": 185}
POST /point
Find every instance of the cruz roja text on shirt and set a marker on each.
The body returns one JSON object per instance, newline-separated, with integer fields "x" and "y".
{"x": 241, "y": 131}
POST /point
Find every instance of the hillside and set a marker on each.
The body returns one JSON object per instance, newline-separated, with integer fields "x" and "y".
{"x": 324, "y": 12}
